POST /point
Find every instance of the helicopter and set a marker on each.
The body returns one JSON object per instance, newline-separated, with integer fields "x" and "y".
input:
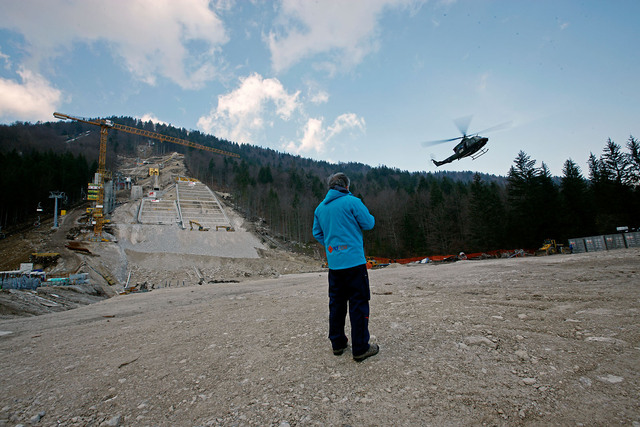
{"x": 469, "y": 146}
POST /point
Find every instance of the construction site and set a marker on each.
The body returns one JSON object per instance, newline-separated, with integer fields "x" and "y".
{"x": 161, "y": 305}
{"x": 167, "y": 230}
{"x": 148, "y": 225}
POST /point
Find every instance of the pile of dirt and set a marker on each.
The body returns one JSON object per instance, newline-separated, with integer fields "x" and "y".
{"x": 50, "y": 299}
{"x": 521, "y": 341}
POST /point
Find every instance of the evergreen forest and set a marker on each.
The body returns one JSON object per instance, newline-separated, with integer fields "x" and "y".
{"x": 417, "y": 213}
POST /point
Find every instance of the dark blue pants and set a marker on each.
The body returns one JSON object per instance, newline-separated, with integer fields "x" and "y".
{"x": 349, "y": 287}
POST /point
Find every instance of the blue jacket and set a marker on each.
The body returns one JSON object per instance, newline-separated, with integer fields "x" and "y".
{"x": 337, "y": 224}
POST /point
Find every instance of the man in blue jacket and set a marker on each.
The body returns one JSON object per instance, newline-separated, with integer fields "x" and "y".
{"x": 337, "y": 224}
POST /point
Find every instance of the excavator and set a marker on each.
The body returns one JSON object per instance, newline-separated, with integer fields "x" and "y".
{"x": 196, "y": 223}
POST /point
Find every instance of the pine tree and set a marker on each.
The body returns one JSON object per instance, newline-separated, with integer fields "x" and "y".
{"x": 523, "y": 224}
{"x": 486, "y": 216}
{"x": 634, "y": 160}
{"x": 575, "y": 206}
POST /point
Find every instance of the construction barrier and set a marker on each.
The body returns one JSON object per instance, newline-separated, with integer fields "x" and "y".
{"x": 22, "y": 282}
{"x": 499, "y": 253}
{"x": 614, "y": 241}
{"x": 79, "y": 279}
{"x": 33, "y": 280}
{"x": 595, "y": 243}
{"x": 577, "y": 246}
{"x": 632, "y": 240}
{"x": 605, "y": 242}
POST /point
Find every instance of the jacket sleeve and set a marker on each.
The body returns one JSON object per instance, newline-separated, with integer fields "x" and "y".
{"x": 366, "y": 221}
{"x": 317, "y": 231}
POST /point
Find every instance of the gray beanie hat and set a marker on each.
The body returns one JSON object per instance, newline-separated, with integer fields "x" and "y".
{"x": 339, "y": 179}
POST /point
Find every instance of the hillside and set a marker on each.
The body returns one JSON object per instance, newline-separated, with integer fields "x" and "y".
{"x": 417, "y": 213}
{"x": 142, "y": 256}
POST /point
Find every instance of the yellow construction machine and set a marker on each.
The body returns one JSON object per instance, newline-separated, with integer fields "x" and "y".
{"x": 374, "y": 263}
{"x": 550, "y": 247}
{"x": 196, "y": 223}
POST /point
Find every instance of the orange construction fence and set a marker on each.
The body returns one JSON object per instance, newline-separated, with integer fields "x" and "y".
{"x": 499, "y": 253}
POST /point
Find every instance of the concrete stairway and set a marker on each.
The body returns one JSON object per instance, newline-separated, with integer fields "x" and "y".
{"x": 163, "y": 212}
{"x": 197, "y": 202}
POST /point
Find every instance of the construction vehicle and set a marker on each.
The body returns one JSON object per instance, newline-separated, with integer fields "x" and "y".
{"x": 155, "y": 172}
{"x": 197, "y": 224}
{"x": 96, "y": 189}
{"x": 550, "y": 247}
{"x": 374, "y": 263}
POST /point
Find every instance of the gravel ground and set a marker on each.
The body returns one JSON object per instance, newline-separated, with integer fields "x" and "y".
{"x": 523, "y": 341}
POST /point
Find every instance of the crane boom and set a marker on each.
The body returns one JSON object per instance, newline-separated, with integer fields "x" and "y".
{"x": 111, "y": 125}
{"x": 105, "y": 125}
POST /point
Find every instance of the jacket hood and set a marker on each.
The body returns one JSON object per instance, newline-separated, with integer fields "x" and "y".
{"x": 333, "y": 195}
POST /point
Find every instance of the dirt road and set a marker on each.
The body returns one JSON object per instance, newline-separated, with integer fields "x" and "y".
{"x": 523, "y": 341}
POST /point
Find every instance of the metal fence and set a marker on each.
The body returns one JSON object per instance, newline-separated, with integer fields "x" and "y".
{"x": 15, "y": 280}
{"x": 605, "y": 242}
{"x": 22, "y": 282}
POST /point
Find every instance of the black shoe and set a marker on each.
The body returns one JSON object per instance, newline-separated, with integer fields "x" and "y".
{"x": 339, "y": 351}
{"x": 373, "y": 350}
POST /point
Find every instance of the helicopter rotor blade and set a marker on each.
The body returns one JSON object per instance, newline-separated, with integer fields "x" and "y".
{"x": 440, "y": 141}
{"x": 462, "y": 124}
{"x": 495, "y": 128}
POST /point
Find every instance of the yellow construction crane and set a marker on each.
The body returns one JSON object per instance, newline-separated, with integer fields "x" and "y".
{"x": 97, "y": 188}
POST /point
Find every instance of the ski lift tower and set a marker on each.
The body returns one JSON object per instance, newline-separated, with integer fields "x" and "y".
{"x": 56, "y": 195}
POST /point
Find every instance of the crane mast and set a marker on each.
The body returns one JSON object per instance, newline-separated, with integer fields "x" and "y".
{"x": 98, "y": 184}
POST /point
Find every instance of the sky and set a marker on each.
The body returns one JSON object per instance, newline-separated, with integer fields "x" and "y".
{"x": 364, "y": 81}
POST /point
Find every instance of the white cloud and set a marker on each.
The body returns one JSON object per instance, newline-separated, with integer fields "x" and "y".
{"x": 7, "y": 61}
{"x": 32, "y": 99}
{"x": 316, "y": 136}
{"x": 313, "y": 138}
{"x": 345, "y": 30}
{"x": 150, "y": 117}
{"x": 346, "y": 122}
{"x": 243, "y": 112}
{"x": 178, "y": 40}
{"x": 319, "y": 97}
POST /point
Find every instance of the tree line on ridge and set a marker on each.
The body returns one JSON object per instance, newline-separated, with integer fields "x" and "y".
{"x": 417, "y": 213}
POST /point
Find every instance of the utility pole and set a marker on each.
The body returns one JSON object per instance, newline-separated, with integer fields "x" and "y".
{"x": 56, "y": 195}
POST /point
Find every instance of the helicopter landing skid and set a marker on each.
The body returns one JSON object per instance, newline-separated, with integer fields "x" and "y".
{"x": 480, "y": 153}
